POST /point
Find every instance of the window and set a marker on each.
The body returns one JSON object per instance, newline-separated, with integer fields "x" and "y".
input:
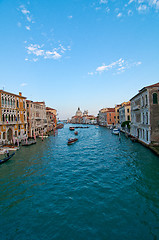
{"x": 143, "y": 118}
{"x": 128, "y": 118}
{"x": 2, "y": 101}
{"x": 147, "y": 120}
{"x": 17, "y": 104}
{"x": 145, "y": 100}
{"x": 155, "y": 98}
{"x": 128, "y": 110}
{"x": 147, "y": 135}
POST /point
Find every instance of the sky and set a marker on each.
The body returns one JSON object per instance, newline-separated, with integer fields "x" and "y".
{"x": 90, "y": 54}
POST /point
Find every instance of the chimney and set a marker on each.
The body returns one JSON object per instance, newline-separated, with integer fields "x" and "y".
{"x": 20, "y": 94}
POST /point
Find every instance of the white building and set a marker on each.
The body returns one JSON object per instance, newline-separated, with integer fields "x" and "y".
{"x": 145, "y": 114}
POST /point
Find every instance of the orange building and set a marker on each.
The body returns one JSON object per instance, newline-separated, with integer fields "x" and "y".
{"x": 13, "y": 118}
{"x": 106, "y": 117}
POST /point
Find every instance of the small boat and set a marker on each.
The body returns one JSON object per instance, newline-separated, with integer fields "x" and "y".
{"x": 10, "y": 148}
{"x": 72, "y": 140}
{"x": 45, "y": 136}
{"x": 28, "y": 143}
{"x": 116, "y": 131}
{"x": 72, "y": 128}
{"x": 59, "y": 126}
{"x": 7, "y": 158}
{"x": 76, "y": 133}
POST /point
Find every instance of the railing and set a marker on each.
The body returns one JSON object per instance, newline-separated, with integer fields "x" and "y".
{"x": 135, "y": 108}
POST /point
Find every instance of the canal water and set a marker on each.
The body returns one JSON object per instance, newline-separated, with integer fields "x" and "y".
{"x": 98, "y": 188}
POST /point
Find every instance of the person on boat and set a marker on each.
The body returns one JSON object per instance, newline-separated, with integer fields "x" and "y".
{"x": 7, "y": 152}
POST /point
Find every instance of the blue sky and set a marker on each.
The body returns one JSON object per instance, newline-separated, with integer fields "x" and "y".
{"x": 78, "y": 53}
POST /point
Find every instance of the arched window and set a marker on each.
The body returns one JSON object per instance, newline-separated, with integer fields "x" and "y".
{"x": 5, "y": 101}
{"x": 3, "y": 118}
{"x": 155, "y": 101}
{"x": 12, "y": 118}
{"x": 9, "y": 118}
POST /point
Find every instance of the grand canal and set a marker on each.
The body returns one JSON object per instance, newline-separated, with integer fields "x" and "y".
{"x": 98, "y": 188}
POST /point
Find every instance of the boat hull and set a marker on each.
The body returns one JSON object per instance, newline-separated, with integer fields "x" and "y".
{"x": 6, "y": 158}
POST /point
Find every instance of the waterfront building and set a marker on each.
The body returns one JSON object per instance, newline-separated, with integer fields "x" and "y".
{"x": 78, "y": 113}
{"x": 145, "y": 115}
{"x": 51, "y": 118}
{"x": 85, "y": 113}
{"x": 36, "y": 118}
{"x": 117, "y": 117}
{"x": 106, "y": 117}
{"x": 125, "y": 114}
{"x": 13, "y": 118}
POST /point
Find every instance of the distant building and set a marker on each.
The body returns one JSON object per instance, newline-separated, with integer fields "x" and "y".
{"x": 125, "y": 113}
{"x": 13, "y": 118}
{"x": 36, "y": 118}
{"x": 145, "y": 114}
{"x": 106, "y": 117}
{"x": 117, "y": 117}
{"x": 78, "y": 113}
{"x": 51, "y": 118}
{"x": 84, "y": 118}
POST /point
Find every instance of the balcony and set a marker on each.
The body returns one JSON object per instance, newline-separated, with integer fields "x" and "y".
{"x": 136, "y": 108}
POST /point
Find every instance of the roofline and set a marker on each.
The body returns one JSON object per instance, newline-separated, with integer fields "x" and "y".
{"x": 2, "y": 91}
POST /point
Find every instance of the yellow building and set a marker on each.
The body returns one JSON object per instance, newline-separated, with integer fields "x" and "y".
{"x": 13, "y": 118}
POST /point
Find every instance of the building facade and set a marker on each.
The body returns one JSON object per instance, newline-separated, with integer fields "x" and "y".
{"x": 106, "y": 117}
{"x": 51, "y": 118}
{"x": 13, "y": 118}
{"x": 125, "y": 112}
{"x": 36, "y": 118}
{"x": 145, "y": 115}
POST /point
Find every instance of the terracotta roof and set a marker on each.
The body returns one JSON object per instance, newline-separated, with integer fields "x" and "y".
{"x": 48, "y": 108}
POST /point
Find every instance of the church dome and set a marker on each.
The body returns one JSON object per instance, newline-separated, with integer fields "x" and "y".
{"x": 78, "y": 113}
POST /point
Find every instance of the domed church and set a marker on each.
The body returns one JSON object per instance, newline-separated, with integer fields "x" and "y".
{"x": 78, "y": 113}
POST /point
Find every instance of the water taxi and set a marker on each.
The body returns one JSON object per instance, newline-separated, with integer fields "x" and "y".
{"x": 72, "y": 140}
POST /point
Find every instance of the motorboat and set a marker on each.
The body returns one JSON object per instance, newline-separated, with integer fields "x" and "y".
{"x": 72, "y": 128}
{"x": 76, "y": 132}
{"x": 116, "y": 131}
{"x": 72, "y": 140}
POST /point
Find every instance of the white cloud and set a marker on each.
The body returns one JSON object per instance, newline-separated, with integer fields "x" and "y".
{"x": 23, "y": 84}
{"x": 25, "y": 11}
{"x": 70, "y": 17}
{"x": 90, "y": 73}
{"x": 103, "y": 2}
{"x": 130, "y": 12}
{"x": 142, "y": 8}
{"x": 38, "y": 51}
{"x": 118, "y": 66}
{"x": 119, "y": 15}
{"x": 27, "y": 28}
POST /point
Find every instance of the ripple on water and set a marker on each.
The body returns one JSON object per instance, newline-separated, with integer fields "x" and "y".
{"x": 98, "y": 188}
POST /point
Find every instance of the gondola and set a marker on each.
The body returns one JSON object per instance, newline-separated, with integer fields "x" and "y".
{"x": 7, "y": 158}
